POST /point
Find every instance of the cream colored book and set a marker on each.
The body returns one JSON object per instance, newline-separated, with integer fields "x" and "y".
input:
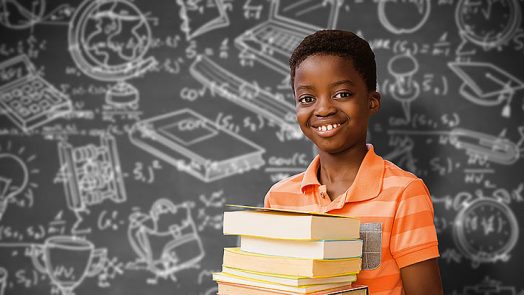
{"x": 288, "y": 280}
{"x": 288, "y": 224}
{"x": 228, "y": 278}
{"x": 305, "y": 267}
{"x": 324, "y": 249}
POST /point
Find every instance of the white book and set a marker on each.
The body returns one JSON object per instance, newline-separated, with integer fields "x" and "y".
{"x": 287, "y": 224}
{"x": 295, "y": 281}
{"x": 323, "y": 249}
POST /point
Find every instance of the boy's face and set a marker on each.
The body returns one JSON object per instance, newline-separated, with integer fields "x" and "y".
{"x": 333, "y": 103}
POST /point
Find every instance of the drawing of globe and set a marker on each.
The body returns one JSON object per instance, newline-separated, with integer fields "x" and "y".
{"x": 109, "y": 39}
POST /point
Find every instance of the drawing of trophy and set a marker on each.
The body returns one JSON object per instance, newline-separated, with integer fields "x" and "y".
{"x": 68, "y": 260}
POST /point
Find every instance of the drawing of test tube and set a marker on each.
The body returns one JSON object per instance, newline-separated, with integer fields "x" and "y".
{"x": 404, "y": 89}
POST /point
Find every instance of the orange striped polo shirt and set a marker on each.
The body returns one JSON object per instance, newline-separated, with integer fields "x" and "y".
{"x": 383, "y": 197}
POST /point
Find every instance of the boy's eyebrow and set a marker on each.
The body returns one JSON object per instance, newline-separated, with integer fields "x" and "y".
{"x": 337, "y": 83}
{"x": 304, "y": 87}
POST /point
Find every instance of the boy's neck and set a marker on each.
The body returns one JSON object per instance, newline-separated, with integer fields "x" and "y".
{"x": 338, "y": 171}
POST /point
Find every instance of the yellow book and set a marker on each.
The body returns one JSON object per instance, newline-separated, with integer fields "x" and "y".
{"x": 229, "y": 278}
{"x": 288, "y": 224}
{"x": 295, "y": 281}
{"x": 236, "y": 258}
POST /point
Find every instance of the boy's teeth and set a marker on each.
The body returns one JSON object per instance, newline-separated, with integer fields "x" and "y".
{"x": 327, "y": 127}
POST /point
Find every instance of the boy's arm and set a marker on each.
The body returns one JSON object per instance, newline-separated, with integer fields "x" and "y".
{"x": 422, "y": 278}
{"x": 414, "y": 243}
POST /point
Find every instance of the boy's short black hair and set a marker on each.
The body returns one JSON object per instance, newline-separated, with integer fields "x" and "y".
{"x": 339, "y": 43}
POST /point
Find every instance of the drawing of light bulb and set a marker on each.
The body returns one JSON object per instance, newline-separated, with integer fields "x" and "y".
{"x": 404, "y": 89}
{"x": 13, "y": 179}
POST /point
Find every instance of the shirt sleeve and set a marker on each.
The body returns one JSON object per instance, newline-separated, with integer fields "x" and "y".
{"x": 267, "y": 203}
{"x": 413, "y": 235}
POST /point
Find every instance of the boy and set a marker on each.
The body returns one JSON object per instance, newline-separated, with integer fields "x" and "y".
{"x": 333, "y": 77}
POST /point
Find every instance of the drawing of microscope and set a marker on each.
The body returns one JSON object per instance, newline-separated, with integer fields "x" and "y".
{"x": 91, "y": 174}
{"x": 165, "y": 240}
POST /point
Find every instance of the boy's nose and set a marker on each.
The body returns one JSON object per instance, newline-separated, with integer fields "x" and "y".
{"x": 325, "y": 107}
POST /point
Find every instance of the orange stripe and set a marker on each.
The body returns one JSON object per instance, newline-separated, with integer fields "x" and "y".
{"x": 414, "y": 205}
{"x": 390, "y": 194}
{"x": 397, "y": 181}
{"x": 412, "y": 221}
{"x": 374, "y": 209}
{"x": 387, "y": 267}
{"x": 412, "y": 238}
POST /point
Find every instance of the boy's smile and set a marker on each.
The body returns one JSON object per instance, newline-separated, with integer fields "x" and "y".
{"x": 333, "y": 104}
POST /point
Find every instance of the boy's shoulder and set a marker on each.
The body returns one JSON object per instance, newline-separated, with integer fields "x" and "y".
{"x": 394, "y": 175}
{"x": 289, "y": 184}
{"x": 393, "y": 170}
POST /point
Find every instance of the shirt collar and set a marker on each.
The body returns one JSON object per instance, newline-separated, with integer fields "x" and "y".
{"x": 367, "y": 183}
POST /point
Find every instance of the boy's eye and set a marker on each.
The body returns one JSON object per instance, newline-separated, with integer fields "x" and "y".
{"x": 343, "y": 94}
{"x": 306, "y": 99}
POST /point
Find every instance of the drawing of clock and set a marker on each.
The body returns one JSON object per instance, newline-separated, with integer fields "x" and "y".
{"x": 403, "y": 17}
{"x": 488, "y": 23}
{"x": 486, "y": 230}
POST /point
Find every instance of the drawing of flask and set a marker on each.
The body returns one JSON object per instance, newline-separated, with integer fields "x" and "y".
{"x": 68, "y": 260}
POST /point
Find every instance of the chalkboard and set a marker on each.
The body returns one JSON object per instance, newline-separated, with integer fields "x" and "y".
{"x": 126, "y": 126}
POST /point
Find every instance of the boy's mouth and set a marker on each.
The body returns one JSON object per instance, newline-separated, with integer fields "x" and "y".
{"x": 327, "y": 127}
{"x": 326, "y": 130}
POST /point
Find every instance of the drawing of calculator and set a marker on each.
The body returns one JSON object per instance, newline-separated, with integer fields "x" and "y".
{"x": 26, "y": 98}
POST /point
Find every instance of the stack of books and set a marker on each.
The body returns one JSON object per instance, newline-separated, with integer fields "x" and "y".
{"x": 290, "y": 252}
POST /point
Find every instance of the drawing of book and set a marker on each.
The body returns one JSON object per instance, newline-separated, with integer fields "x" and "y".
{"x": 195, "y": 145}
{"x": 245, "y": 94}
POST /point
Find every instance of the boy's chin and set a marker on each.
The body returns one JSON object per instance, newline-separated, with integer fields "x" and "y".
{"x": 332, "y": 150}
{"x": 335, "y": 148}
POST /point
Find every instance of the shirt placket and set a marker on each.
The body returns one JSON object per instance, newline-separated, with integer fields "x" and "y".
{"x": 323, "y": 197}
{"x": 325, "y": 202}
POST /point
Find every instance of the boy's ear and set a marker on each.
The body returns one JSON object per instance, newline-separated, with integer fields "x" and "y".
{"x": 374, "y": 101}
